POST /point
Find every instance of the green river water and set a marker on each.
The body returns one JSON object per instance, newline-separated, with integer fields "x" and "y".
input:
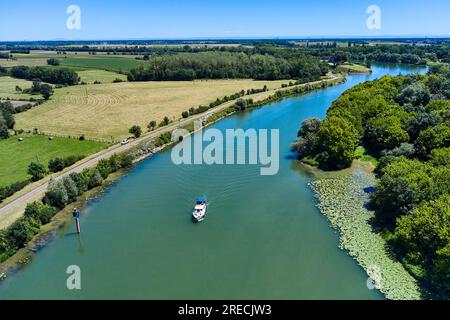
{"x": 263, "y": 237}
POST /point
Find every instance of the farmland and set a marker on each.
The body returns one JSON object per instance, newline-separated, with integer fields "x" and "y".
{"x": 106, "y": 111}
{"x": 15, "y": 155}
{"x": 8, "y": 88}
{"x": 117, "y": 64}
{"x": 90, "y": 76}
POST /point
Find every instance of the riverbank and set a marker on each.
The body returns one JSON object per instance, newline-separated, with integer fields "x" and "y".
{"x": 60, "y": 222}
{"x": 343, "y": 198}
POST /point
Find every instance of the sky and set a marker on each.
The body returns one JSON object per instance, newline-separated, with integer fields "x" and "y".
{"x": 189, "y": 19}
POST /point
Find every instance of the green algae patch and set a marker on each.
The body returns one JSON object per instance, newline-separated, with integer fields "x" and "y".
{"x": 343, "y": 199}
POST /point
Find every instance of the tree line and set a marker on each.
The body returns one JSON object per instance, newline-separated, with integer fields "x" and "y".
{"x": 229, "y": 65}
{"x": 59, "y": 76}
{"x": 404, "y": 122}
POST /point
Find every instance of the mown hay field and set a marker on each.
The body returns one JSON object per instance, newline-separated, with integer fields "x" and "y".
{"x": 107, "y": 111}
{"x": 90, "y": 76}
{"x": 8, "y": 88}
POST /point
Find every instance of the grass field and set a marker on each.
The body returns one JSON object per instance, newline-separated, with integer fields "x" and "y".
{"x": 109, "y": 63}
{"x": 354, "y": 68}
{"x": 108, "y": 110}
{"x": 15, "y": 156}
{"x": 90, "y": 76}
{"x": 8, "y": 88}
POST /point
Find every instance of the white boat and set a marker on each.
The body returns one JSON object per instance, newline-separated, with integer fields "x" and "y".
{"x": 200, "y": 210}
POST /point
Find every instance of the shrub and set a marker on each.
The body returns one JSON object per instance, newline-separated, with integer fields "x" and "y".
{"x": 40, "y": 212}
{"x": 95, "y": 179}
{"x": 56, "y": 195}
{"x": 8, "y": 191}
{"x": 37, "y": 171}
{"x": 21, "y": 232}
{"x": 136, "y": 131}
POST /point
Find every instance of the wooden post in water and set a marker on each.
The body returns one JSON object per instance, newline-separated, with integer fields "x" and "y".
{"x": 76, "y": 216}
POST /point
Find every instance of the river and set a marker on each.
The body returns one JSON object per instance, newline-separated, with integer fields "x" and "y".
{"x": 263, "y": 237}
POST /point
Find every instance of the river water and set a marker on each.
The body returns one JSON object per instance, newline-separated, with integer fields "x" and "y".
{"x": 263, "y": 237}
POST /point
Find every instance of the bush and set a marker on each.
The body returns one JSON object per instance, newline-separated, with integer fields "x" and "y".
{"x": 8, "y": 191}
{"x": 56, "y": 195}
{"x": 37, "y": 171}
{"x": 59, "y": 164}
{"x": 126, "y": 161}
{"x": 104, "y": 167}
{"x": 136, "y": 131}
{"x": 21, "y": 232}
{"x": 95, "y": 179}
{"x": 40, "y": 212}
{"x": 53, "y": 62}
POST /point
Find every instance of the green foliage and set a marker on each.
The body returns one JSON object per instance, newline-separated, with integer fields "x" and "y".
{"x": 424, "y": 236}
{"x": 62, "y": 76}
{"x": 339, "y": 139}
{"x": 21, "y": 232}
{"x": 40, "y": 212}
{"x": 53, "y": 62}
{"x": 228, "y": 65}
{"x": 57, "y": 195}
{"x": 440, "y": 157}
{"x": 433, "y": 138}
{"x": 37, "y": 171}
{"x": 384, "y": 133}
{"x": 151, "y": 125}
{"x": 58, "y": 164}
{"x": 136, "y": 131}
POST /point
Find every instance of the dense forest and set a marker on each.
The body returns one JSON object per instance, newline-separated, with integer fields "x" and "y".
{"x": 404, "y": 122}
{"x": 227, "y": 65}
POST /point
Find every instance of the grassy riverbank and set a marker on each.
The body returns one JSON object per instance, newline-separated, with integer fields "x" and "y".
{"x": 343, "y": 198}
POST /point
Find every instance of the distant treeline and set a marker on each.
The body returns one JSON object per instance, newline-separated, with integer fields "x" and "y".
{"x": 411, "y": 54}
{"x": 228, "y": 65}
{"x": 62, "y": 76}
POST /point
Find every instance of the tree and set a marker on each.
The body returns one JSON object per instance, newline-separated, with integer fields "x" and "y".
{"x": 424, "y": 236}
{"x": 53, "y": 62}
{"x": 384, "y": 134}
{"x": 241, "y": 104}
{"x": 4, "y": 133}
{"x": 57, "y": 195}
{"x": 433, "y": 138}
{"x": 338, "y": 139}
{"x": 126, "y": 161}
{"x": 136, "y": 131}
{"x": 56, "y": 165}
{"x": 152, "y": 125}
{"x": 415, "y": 94}
{"x": 40, "y": 212}
{"x": 46, "y": 91}
{"x": 71, "y": 189}
{"x": 95, "y": 179}
{"x": 440, "y": 157}
{"x": 37, "y": 171}
{"x": 185, "y": 114}
{"x": 21, "y": 232}
{"x": 166, "y": 120}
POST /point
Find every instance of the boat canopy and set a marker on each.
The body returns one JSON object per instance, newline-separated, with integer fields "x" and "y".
{"x": 201, "y": 200}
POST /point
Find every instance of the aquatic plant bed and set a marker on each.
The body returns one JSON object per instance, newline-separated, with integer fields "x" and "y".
{"x": 343, "y": 200}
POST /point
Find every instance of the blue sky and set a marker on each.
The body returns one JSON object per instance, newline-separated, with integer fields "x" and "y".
{"x": 167, "y": 19}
